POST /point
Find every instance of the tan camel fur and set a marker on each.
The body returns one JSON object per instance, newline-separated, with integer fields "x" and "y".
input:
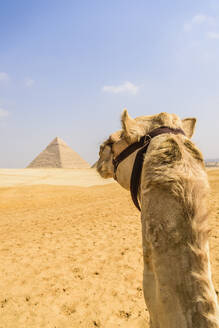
{"x": 178, "y": 288}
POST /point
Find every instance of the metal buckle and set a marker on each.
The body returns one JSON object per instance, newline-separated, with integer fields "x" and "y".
{"x": 147, "y": 140}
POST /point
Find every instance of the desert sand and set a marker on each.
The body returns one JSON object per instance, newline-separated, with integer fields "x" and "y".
{"x": 70, "y": 254}
{"x": 65, "y": 177}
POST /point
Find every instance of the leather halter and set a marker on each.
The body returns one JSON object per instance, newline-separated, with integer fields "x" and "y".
{"x": 143, "y": 144}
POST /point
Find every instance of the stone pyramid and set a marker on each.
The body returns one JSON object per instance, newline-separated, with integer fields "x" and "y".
{"x": 58, "y": 155}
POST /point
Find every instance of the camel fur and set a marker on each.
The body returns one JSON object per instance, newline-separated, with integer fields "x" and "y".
{"x": 177, "y": 282}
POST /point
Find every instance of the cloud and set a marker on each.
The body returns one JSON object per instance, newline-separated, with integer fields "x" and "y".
{"x": 3, "y": 113}
{"x": 213, "y": 35}
{"x": 29, "y": 82}
{"x": 198, "y": 20}
{"x": 125, "y": 87}
{"x": 4, "y": 77}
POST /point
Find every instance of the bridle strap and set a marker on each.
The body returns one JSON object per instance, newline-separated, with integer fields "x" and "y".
{"x": 143, "y": 144}
{"x": 136, "y": 174}
{"x": 128, "y": 151}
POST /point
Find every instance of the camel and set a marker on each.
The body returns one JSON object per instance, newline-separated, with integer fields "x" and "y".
{"x": 173, "y": 194}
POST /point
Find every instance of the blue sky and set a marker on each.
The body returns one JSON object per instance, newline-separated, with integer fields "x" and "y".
{"x": 68, "y": 68}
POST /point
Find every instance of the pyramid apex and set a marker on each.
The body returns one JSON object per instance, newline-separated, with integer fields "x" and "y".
{"x": 58, "y": 140}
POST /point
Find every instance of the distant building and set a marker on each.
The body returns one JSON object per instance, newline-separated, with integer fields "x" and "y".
{"x": 211, "y": 164}
{"x": 58, "y": 155}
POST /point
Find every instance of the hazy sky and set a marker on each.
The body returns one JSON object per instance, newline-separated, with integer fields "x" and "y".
{"x": 68, "y": 68}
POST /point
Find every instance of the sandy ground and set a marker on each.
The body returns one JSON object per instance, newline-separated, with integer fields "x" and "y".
{"x": 65, "y": 177}
{"x": 70, "y": 256}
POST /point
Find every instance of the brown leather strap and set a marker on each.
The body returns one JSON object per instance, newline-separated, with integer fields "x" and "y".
{"x": 139, "y": 159}
{"x": 143, "y": 144}
{"x": 128, "y": 151}
{"x": 136, "y": 174}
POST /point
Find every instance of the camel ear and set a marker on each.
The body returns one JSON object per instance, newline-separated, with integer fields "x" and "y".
{"x": 133, "y": 130}
{"x": 189, "y": 126}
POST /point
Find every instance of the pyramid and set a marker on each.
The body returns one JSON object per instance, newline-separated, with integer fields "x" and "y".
{"x": 58, "y": 155}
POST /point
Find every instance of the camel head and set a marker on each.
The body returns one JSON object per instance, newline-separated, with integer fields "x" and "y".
{"x": 132, "y": 131}
{"x": 109, "y": 150}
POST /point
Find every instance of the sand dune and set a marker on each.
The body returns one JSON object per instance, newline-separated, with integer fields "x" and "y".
{"x": 71, "y": 255}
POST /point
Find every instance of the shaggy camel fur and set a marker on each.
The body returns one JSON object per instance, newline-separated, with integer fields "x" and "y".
{"x": 173, "y": 193}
